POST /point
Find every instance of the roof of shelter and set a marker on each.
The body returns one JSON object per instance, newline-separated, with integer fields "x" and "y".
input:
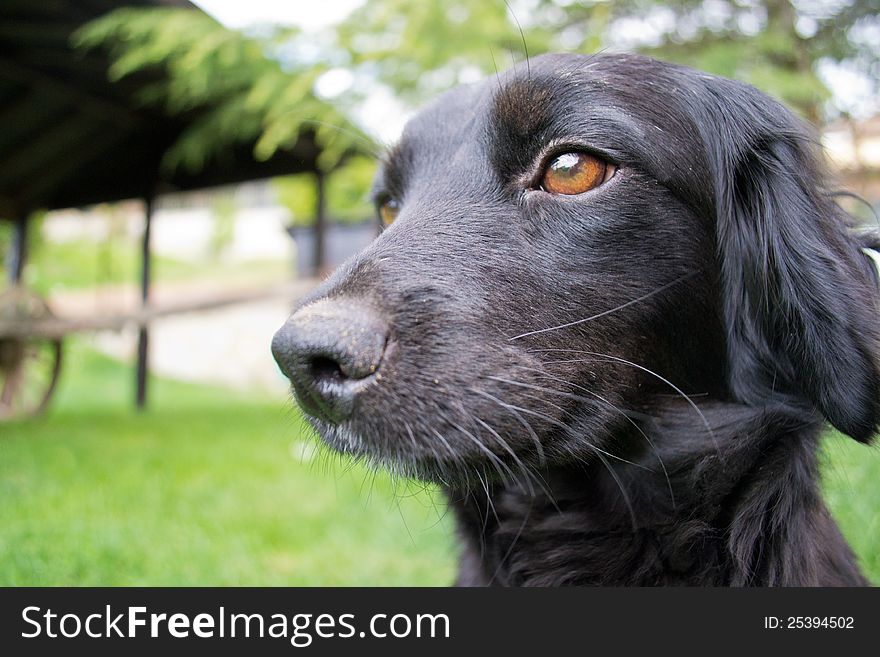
{"x": 71, "y": 137}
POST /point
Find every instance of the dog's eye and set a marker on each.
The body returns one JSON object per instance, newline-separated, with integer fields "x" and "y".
{"x": 388, "y": 211}
{"x": 575, "y": 173}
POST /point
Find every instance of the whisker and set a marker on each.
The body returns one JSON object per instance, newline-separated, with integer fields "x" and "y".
{"x": 539, "y": 448}
{"x": 523, "y": 37}
{"x": 627, "y": 417}
{"x": 412, "y": 437}
{"x": 396, "y": 501}
{"x": 626, "y": 499}
{"x": 569, "y": 395}
{"x": 564, "y": 426}
{"x": 497, "y": 462}
{"x": 652, "y": 373}
{"x": 607, "y": 312}
{"x": 490, "y": 505}
{"x": 513, "y": 543}
{"x": 507, "y": 448}
{"x": 435, "y": 507}
{"x": 495, "y": 65}
{"x": 528, "y": 472}
{"x": 446, "y": 444}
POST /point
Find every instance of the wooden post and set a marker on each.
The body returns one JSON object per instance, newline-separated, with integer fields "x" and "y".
{"x": 320, "y": 221}
{"x": 143, "y": 331}
{"x": 18, "y": 250}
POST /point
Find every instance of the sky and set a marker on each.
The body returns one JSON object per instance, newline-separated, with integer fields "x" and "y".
{"x": 307, "y": 14}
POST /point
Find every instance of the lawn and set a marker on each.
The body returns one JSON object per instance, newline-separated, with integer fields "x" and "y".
{"x": 214, "y": 488}
{"x": 207, "y": 488}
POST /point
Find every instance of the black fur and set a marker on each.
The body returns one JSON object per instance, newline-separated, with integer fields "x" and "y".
{"x": 627, "y": 386}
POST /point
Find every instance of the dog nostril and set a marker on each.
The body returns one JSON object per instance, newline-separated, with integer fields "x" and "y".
{"x": 324, "y": 368}
{"x": 330, "y": 350}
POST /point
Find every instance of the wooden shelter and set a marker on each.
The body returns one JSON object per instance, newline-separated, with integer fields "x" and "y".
{"x": 70, "y": 137}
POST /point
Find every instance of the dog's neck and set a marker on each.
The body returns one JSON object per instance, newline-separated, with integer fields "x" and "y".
{"x": 735, "y": 505}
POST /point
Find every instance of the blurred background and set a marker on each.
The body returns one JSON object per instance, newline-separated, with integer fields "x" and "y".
{"x": 175, "y": 174}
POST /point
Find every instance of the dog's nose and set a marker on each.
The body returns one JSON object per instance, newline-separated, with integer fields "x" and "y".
{"x": 330, "y": 350}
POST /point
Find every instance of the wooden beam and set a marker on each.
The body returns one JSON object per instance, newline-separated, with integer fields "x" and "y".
{"x": 320, "y": 221}
{"x": 18, "y": 250}
{"x": 59, "y": 327}
{"x": 143, "y": 331}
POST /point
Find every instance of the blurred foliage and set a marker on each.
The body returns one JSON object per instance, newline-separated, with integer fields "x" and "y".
{"x": 346, "y": 191}
{"x": 58, "y": 267}
{"x": 239, "y": 84}
{"x": 107, "y": 257}
{"x": 260, "y": 86}
{"x": 422, "y": 48}
{"x": 223, "y": 212}
{"x": 35, "y": 241}
{"x": 52, "y": 266}
{"x": 6, "y": 230}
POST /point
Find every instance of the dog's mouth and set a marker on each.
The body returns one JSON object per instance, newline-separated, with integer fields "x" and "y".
{"x": 380, "y": 454}
{"x": 432, "y": 393}
{"x": 487, "y": 431}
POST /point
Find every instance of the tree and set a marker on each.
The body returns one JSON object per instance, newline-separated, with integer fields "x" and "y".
{"x": 779, "y": 46}
{"x": 260, "y": 86}
{"x": 251, "y": 90}
{"x": 245, "y": 87}
{"x": 346, "y": 192}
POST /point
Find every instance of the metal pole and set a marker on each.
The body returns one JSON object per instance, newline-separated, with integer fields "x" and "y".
{"x": 320, "y": 222}
{"x": 143, "y": 331}
{"x": 18, "y": 250}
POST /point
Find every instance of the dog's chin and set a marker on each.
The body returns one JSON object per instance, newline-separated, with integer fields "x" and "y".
{"x": 426, "y": 467}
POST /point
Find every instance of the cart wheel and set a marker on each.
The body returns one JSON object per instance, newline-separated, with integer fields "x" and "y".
{"x": 29, "y": 366}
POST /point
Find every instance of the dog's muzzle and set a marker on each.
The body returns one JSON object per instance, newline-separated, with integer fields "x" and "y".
{"x": 331, "y": 350}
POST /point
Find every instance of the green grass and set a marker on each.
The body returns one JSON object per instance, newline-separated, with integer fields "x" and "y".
{"x": 208, "y": 488}
{"x": 212, "y": 488}
{"x": 851, "y": 482}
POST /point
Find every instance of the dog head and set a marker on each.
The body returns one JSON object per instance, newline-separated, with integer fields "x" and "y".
{"x": 570, "y": 244}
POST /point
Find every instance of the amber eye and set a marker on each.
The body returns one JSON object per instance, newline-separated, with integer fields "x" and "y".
{"x": 575, "y": 173}
{"x": 388, "y": 211}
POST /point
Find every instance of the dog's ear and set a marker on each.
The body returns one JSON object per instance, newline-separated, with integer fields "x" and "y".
{"x": 800, "y": 298}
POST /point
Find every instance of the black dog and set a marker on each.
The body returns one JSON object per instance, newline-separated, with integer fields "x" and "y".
{"x": 611, "y": 308}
